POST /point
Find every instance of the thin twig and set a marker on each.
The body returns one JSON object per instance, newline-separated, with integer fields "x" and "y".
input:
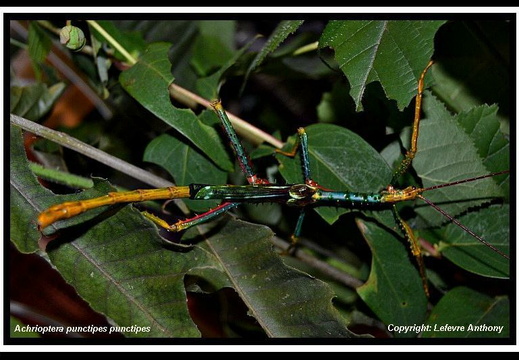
{"x": 90, "y": 151}
{"x": 317, "y": 264}
{"x": 245, "y": 129}
{"x": 131, "y": 60}
{"x": 307, "y": 48}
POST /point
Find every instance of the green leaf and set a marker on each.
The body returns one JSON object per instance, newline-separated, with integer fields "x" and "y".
{"x": 482, "y": 125}
{"x": 332, "y": 108}
{"x": 446, "y": 154}
{"x": 470, "y": 315}
{"x": 34, "y": 101}
{"x": 213, "y": 47}
{"x": 20, "y": 330}
{"x": 148, "y": 82}
{"x": 392, "y": 52}
{"x": 286, "y": 302}
{"x": 185, "y": 164}
{"x": 339, "y": 160}
{"x": 23, "y": 187}
{"x": 124, "y": 272}
{"x": 280, "y": 33}
{"x": 101, "y": 60}
{"x": 60, "y": 177}
{"x": 183, "y": 36}
{"x": 39, "y": 46}
{"x": 114, "y": 261}
{"x": 493, "y": 223}
{"x": 394, "y": 290}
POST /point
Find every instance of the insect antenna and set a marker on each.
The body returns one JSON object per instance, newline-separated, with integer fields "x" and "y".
{"x": 466, "y": 180}
{"x": 454, "y": 220}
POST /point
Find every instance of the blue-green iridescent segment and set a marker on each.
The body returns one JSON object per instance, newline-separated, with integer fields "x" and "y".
{"x": 305, "y": 160}
{"x": 241, "y": 193}
{"x": 298, "y": 194}
{"x": 299, "y": 225}
{"x": 241, "y": 155}
{"x": 348, "y": 197}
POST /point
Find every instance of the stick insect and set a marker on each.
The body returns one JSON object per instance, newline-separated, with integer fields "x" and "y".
{"x": 301, "y": 195}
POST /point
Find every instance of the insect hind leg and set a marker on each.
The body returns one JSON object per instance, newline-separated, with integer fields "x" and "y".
{"x": 415, "y": 248}
{"x": 239, "y": 151}
{"x": 190, "y": 222}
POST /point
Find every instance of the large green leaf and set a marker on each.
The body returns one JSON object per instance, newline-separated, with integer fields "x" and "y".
{"x": 392, "y": 52}
{"x": 285, "y": 302}
{"x": 458, "y": 148}
{"x": 481, "y": 123}
{"x": 118, "y": 263}
{"x": 465, "y": 313}
{"x": 115, "y": 261}
{"x": 394, "y": 290}
{"x": 122, "y": 270}
{"x": 493, "y": 223}
{"x": 213, "y": 47}
{"x": 148, "y": 82}
{"x": 447, "y": 153}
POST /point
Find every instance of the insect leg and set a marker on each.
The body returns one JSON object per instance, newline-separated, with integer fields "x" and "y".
{"x": 305, "y": 159}
{"x": 196, "y": 220}
{"x": 295, "y": 236}
{"x": 241, "y": 154}
{"x": 415, "y": 248}
{"x": 410, "y": 154}
{"x": 305, "y": 165}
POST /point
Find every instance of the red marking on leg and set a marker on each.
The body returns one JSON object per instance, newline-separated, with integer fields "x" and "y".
{"x": 254, "y": 180}
{"x": 314, "y": 183}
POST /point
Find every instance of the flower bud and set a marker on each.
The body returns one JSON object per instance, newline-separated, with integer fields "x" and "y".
{"x": 72, "y": 37}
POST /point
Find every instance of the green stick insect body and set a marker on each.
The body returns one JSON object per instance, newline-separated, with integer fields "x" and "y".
{"x": 303, "y": 195}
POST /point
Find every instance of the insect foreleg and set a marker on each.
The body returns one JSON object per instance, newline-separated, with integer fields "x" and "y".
{"x": 414, "y": 246}
{"x": 239, "y": 151}
{"x": 411, "y": 152}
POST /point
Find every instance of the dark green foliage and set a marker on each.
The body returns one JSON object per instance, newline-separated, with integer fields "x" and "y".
{"x": 356, "y": 110}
